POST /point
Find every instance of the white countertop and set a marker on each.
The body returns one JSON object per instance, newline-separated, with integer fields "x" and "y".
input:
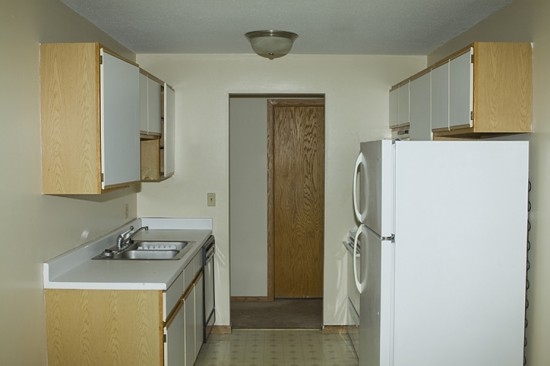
{"x": 77, "y": 270}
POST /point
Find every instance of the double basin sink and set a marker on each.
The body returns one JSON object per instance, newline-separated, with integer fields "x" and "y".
{"x": 147, "y": 250}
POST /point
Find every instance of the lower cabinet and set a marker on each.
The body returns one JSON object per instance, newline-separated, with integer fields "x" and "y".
{"x": 104, "y": 327}
{"x": 127, "y": 327}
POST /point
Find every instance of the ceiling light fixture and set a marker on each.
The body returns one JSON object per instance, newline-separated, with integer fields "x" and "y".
{"x": 271, "y": 43}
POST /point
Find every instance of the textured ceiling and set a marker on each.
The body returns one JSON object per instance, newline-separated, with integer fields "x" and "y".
{"x": 391, "y": 27}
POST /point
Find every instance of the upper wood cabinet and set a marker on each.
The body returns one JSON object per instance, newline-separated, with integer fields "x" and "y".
{"x": 89, "y": 119}
{"x": 483, "y": 89}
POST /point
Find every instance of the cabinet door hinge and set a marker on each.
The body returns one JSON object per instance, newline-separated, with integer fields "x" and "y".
{"x": 102, "y": 177}
{"x": 101, "y": 59}
{"x": 472, "y": 59}
{"x": 471, "y": 115}
{"x": 164, "y": 338}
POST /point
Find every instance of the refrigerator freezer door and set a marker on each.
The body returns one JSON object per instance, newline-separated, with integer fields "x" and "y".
{"x": 460, "y": 253}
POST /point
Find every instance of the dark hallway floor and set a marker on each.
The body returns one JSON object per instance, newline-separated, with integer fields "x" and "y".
{"x": 278, "y": 314}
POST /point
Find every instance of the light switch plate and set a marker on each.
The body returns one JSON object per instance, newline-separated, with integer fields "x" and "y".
{"x": 211, "y": 199}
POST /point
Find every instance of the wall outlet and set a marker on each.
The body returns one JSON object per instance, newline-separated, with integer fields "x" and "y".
{"x": 211, "y": 199}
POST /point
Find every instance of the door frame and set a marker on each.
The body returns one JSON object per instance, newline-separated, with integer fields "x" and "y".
{"x": 271, "y": 103}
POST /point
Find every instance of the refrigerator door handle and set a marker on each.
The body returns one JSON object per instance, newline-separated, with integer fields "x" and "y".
{"x": 360, "y": 162}
{"x": 358, "y": 284}
{"x": 388, "y": 238}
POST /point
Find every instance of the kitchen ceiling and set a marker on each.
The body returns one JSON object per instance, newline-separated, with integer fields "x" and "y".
{"x": 358, "y": 27}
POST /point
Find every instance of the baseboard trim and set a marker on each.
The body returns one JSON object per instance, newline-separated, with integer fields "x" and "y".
{"x": 250, "y": 298}
{"x": 337, "y": 329}
{"x": 327, "y": 329}
{"x": 221, "y": 329}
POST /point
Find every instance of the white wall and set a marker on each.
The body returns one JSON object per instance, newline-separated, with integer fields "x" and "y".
{"x": 248, "y": 196}
{"x": 356, "y": 90}
{"x": 527, "y": 20}
{"x": 34, "y": 227}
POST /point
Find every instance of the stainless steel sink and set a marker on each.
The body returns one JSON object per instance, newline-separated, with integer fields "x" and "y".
{"x": 161, "y": 245}
{"x": 147, "y": 250}
{"x": 149, "y": 254}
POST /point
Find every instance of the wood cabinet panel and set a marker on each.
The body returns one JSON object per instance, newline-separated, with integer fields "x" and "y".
{"x": 70, "y": 121}
{"x": 503, "y": 87}
{"x": 150, "y": 160}
{"x": 129, "y": 322}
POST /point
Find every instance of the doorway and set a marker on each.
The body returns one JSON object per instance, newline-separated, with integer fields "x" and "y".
{"x": 253, "y": 236}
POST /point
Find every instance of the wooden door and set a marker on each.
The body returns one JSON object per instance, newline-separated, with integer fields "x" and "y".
{"x": 296, "y": 228}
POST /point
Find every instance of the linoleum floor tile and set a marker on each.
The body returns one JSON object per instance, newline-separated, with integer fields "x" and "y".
{"x": 277, "y": 348}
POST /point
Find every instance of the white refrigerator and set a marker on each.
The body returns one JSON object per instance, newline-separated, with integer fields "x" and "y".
{"x": 442, "y": 233}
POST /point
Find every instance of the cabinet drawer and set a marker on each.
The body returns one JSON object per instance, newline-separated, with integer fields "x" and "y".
{"x": 172, "y": 295}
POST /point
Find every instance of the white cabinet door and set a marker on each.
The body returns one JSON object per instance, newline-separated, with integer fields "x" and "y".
{"x": 150, "y": 105}
{"x": 440, "y": 97}
{"x": 421, "y": 121}
{"x": 403, "y": 104}
{"x": 174, "y": 352}
{"x": 120, "y": 147}
{"x": 461, "y": 83}
{"x": 169, "y": 135}
{"x": 190, "y": 336}
{"x": 393, "y": 108}
{"x": 399, "y": 106}
{"x": 143, "y": 103}
{"x": 154, "y": 98}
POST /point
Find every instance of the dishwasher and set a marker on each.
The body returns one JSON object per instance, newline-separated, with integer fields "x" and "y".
{"x": 209, "y": 302}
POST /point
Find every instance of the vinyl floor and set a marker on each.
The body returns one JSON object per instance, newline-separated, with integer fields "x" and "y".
{"x": 277, "y": 348}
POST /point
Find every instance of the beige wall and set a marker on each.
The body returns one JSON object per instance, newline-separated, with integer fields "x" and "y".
{"x": 527, "y": 20}
{"x": 356, "y": 90}
{"x": 248, "y": 196}
{"x": 33, "y": 227}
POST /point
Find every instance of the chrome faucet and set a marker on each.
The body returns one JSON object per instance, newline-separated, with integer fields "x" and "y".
{"x": 135, "y": 232}
{"x": 125, "y": 238}
{"x": 122, "y": 239}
